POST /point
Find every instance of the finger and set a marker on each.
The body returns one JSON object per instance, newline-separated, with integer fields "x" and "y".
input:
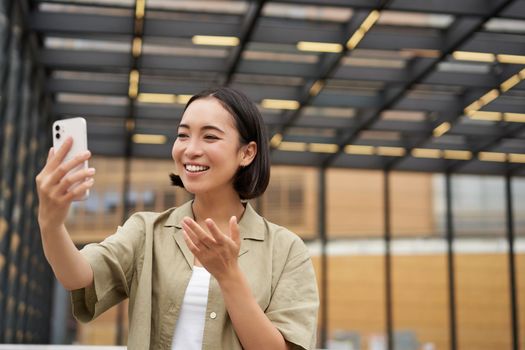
{"x": 79, "y": 191}
{"x": 60, "y": 153}
{"x": 73, "y": 178}
{"x": 235, "y": 234}
{"x": 202, "y": 235}
{"x": 199, "y": 243}
{"x": 193, "y": 248}
{"x": 50, "y": 154}
{"x": 215, "y": 231}
{"x": 66, "y": 167}
{"x": 190, "y": 233}
{"x": 42, "y": 174}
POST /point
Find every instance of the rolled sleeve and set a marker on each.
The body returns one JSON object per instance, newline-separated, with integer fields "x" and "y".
{"x": 295, "y": 302}
{"x": 113, "y": 265}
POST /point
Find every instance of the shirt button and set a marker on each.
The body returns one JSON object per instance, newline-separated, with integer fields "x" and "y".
{"x": 213, "y": 315}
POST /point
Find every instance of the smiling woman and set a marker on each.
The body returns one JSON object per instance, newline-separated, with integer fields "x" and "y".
{"x": 225, "y": 117}
{"x": 210, "y": 274}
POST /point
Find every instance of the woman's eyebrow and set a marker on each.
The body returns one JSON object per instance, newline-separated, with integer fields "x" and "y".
{"x": 205, "y": 127}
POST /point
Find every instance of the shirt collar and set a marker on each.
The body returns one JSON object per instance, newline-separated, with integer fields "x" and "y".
{"x": 251, "y": 225}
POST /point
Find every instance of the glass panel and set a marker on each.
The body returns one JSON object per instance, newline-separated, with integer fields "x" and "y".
{"x": 151, "y": 188}
{"x": 481, "y": 264}
{"x": 316, "y": 262}
{"x": 355, "y": 203}
{"x": 103, "y": 330}
{"x": 97, "y": 217}
{"x": 122, "y": 8}
{"x": 520, "y": 283}
{"x": 291, "y": 199}
{"x": 86, "y": 44}
{"x": 226, "y": 7}
{"x": 478, "y": 203}
{"x": 518, "y": 193}
{"x": 420, "y": 295}
{"x": 415, "y": 19}
{"x": 412, "y": 204}
{"x": 439, "y": 204}
{"x": 304, "y": 12}
{"x": 505, "y": 25}
{"x": 482, "y": 296}
{"x": 518, "y": 204}
{"x": 356, "y": 304}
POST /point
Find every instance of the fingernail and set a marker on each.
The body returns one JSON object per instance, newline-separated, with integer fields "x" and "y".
{"x": 91, "y": 171}
{"x": 86, "y": 153}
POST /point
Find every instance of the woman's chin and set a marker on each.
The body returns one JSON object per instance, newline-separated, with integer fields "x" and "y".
{"x": 194, "y": 189}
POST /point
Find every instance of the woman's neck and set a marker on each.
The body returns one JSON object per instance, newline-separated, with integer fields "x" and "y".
{"x": 219, "y": 208}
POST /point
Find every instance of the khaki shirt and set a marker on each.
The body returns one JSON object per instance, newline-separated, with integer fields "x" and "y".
{"x": 148, "y": 261}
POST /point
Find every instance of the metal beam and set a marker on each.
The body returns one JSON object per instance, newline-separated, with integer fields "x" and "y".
{"x": 451, "y": 271}
{"x": 511, "y": 256}
{"x": 465, "y": 7}
{"x": 211, "y": 24}
{"x": 510, "y": 131}
{"x": 323, "y": 236}
{"x": 270, "y": 30}
{"x": 156, "y": 81}
{"x": 451, "y": 7}
{"x": 61, "y": 22}
{"x": 387, "y": 237}
{"x": 250, "y": 20}
{"x": 454, "y": 38}
{"x": 451, "y": 118}
{"x": 95, "y": 61}
{"x": 326, "y": 67}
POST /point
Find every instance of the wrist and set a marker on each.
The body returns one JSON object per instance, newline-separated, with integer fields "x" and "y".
{"x": 231, "y": 279}
{"x": 49, "y": 228}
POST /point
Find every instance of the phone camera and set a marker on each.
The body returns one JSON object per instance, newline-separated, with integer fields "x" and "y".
{"x": 57, "y": 127}
{"x": 57, "y": 135}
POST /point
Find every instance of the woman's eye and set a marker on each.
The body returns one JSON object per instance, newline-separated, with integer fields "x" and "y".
{"x": 180, "y": 135}
{"x": 211, "y": 137}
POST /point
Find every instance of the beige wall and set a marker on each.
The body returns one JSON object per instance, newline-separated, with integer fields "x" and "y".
{"x": 420, "y": 298}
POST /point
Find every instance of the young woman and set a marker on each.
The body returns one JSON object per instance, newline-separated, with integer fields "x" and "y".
{"x": 211, "y": 274}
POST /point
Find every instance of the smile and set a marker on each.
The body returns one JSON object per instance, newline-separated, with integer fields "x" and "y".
{"x": 195, "y": 168}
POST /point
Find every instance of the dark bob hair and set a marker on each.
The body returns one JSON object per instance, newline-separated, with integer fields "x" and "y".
{"x": 250, "y": 181}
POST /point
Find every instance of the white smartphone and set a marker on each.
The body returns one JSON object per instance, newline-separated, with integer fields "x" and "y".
{"x": 75, "y": 128}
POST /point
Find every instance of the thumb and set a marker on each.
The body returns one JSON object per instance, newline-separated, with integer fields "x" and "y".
{"x": 235, "y": 235}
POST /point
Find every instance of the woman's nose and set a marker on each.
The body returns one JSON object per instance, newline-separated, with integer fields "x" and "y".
{"x": 193, "y": 148}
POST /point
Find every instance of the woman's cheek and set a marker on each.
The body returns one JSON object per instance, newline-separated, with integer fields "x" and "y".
{"x": 175, "y": 150}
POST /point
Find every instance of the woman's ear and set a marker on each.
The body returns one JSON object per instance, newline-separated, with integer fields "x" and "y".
{"x": 249, "y": 152}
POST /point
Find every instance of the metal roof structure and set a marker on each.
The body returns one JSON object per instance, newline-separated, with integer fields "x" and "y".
{"x": 435, "y": 86}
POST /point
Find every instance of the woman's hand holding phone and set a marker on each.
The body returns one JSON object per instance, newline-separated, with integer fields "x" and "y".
{"x": 58, "y": 186}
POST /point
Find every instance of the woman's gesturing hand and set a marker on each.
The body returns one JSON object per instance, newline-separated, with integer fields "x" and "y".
{"x": 54, "y": 183}
{"x": 217, "y": 251}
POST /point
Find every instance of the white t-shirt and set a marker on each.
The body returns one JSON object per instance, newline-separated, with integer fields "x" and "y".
{"x": 189, "y": 329}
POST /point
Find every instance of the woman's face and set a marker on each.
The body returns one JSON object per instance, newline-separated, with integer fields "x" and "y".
{"x": 207, "y": 151}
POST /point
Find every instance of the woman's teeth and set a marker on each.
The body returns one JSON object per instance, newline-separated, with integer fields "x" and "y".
{"x": 196, "y": 168}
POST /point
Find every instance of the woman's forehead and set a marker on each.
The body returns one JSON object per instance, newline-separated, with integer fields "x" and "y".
{"x": 207, "y": 111}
